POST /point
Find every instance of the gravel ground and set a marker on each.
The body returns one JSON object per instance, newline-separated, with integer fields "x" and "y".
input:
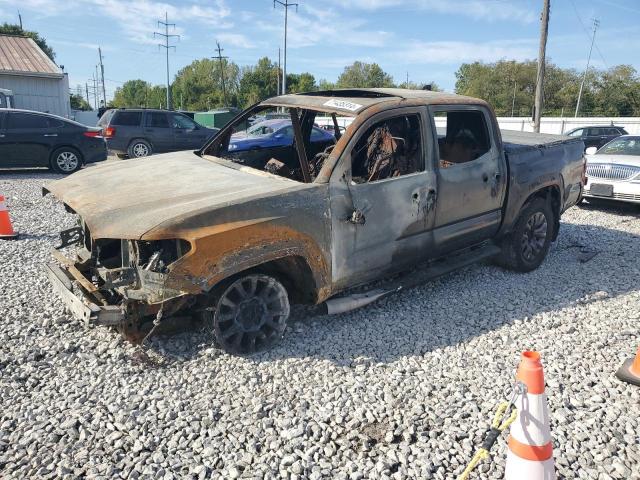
{"x": 402, "y": 389}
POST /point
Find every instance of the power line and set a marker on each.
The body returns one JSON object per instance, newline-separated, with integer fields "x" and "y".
{"x": 542, "y": 50}
{"x": 220, "y": 57}
{"x": 596, "y": 24}
{"x": 166, "y": 46}
{"x": 588, "y": 33}
{"x": 104, "y": 93}
{"x": 286, "y": 6}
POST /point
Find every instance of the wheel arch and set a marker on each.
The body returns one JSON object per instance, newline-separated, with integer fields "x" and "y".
{"x": 551, "y": 194}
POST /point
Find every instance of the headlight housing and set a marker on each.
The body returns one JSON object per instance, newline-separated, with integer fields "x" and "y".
{"x": 155, "y": 255}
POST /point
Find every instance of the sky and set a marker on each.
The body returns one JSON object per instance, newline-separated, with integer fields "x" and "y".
{"x": 426, "y": 39}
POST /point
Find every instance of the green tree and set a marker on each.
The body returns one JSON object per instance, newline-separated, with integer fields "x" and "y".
{"x": 303, "y": 82}
{"x": 10, "y": 29}
{"x": 133, "y": 93}
{"x": 618, "y": 91}
{"x": 78, "y": 102}
{"x": 258, "y": 82}
{"x": 420, "y": 86}
{"x": 364, "y": 75}
{"x": 198, "y": 86}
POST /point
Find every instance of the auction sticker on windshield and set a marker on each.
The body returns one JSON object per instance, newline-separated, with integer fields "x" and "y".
{"x": 342, "y": 104}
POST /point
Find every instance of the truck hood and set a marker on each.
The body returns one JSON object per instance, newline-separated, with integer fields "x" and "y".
{"x": 127, "y": 198}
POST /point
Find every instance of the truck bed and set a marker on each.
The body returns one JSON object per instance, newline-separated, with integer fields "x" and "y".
{"x": 516, "y": 141}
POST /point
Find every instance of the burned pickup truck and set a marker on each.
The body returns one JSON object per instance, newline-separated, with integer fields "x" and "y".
{"x": 419, "y": 182}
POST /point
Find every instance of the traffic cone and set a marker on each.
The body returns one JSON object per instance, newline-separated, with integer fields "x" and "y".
{"x": 530, "y": 455}
{"x": 630, "y": 370}
{"x": 6, "y": 230}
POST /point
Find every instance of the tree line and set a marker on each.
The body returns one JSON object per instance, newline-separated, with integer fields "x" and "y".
{"x": 509, "y": 86}
{"x": 210, "y": 83}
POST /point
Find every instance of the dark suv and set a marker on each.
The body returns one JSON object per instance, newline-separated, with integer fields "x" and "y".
{"x": 143, "y": 132}
{"x": 597, "y": 136}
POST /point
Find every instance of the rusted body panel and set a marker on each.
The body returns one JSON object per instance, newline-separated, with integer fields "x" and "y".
{"x": 166, "y": 230}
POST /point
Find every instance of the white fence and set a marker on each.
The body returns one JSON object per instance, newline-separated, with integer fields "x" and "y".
{"x": 557, "y": 125}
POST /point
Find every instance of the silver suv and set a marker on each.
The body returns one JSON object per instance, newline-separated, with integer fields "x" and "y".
{"x": 137, "y": 132}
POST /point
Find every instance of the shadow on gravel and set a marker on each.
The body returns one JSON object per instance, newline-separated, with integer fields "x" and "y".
{"x": 28, "y": 173}
{"x": 611, "y": 207}
{"x": 454, "y": 308}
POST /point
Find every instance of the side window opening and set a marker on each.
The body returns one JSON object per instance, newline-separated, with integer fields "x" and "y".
{"x": 127, "y": 119}
{"x": 266, "y": 141}
{"x": 462, "y": 136}
{"x": 389, "y": 148}
{"x": 157, "y": 120}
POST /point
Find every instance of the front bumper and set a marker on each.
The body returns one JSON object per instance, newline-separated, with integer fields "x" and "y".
{"x": 622, "y": 191}
{"x": 78, "y": 300}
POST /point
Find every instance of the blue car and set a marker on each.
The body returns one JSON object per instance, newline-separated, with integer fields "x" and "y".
{"x": 272, "y": 134}
{"x": 272, "y": 140}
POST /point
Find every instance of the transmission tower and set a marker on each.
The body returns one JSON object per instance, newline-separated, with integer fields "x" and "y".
{"x": 167, "y": 37}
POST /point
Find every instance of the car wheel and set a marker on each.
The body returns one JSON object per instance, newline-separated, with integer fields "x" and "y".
{"x": 527, "y": 246}
{"x": 139, "y": 148}
{"x": 249, "y": 315}
{"x": 66, "y": 160}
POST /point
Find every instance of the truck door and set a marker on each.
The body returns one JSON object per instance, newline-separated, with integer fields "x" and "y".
{"x": 382, "y": 192}
{"x": 158, "y": 130}
{"x": 471, "y": 177}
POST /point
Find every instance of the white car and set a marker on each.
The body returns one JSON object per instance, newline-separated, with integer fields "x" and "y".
{"x": 613, "y": 171}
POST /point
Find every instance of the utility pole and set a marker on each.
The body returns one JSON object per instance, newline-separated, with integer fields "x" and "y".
{"x": 20, "y": 19}
{"x": 407, "y": 84}
{"x": 279, "y": 71}
{"x": 513, "y": 101}
{"x": 596, "y": 24}
{"x": 544, "y": 32}
{"x": 104, "y": 92}
{"x": 286, "y": 4}
{"x": 96, "y": 89}
{"x": 166, "y": 46}
{"x": 93, "y": 90}
{"x": 220, "y": 57}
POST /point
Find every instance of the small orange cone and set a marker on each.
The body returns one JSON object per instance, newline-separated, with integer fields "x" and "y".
{"x": 630, "y": 370}
{"x": 6, "y": 230}
{"x": 530, "y": 455}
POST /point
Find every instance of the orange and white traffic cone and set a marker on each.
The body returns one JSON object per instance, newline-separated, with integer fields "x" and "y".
{"x": 630, "y": 370}
{"x": 6, "y": 230}
{"x": 530, "y": 455}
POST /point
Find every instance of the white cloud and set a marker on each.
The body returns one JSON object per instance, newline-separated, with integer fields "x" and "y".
{"x": 312, "y": 26}
{"x": 455, "y": 52}
{"x": 478, "y": 9}
{"x": 235, "y": 40}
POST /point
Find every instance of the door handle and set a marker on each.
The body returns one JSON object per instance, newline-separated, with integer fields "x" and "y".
{"x": 357, "y": 217}
{"x": 50, "y": 134}
{"x": 497, "y": 176}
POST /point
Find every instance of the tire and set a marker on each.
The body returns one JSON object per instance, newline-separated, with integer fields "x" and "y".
{"x": 249, "y": 314}
{"x": 139, "y": 148}
{"x": 66, "y": 160}
{"x": 527, "y": 246}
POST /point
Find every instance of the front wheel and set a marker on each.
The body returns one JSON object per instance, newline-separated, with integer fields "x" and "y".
{"x": 249, "y": 315}
{"x": 65, "y": 160}
{"x": 527, "y": 246}
{"x": 139, "y": 148}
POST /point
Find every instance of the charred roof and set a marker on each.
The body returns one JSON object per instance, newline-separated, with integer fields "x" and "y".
{"x": 352, "y": 101}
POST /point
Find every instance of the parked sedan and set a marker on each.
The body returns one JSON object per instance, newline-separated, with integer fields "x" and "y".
{"x": 34, "y": 139}
{"x": 273, "y": 139}
{"x": 614, "y": 171}
{"x": 596, "y": 136}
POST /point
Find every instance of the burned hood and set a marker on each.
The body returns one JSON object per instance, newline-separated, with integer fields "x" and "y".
{"x": 127, "y": 198}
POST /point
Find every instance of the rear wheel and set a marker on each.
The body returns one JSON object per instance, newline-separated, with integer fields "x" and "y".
{"x": 66, "y": 160}
{"x": 249, "y": 315}
{"x": 139, "y": 148}
{"x": 527, "y": 246}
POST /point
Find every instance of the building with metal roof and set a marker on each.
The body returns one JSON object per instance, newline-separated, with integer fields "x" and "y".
{"x": 34, "y": 80}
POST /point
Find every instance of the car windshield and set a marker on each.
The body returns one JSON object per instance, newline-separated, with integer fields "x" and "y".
{"x": 621, "y": 146}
